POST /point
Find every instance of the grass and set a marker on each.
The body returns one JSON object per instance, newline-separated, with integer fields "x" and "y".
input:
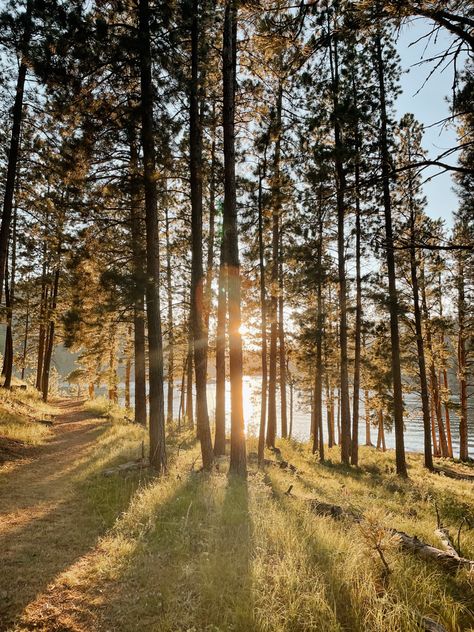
{"x": 20, "y": 412}
{"x": 103, "y": 407}
{"x": 197, "y": 551}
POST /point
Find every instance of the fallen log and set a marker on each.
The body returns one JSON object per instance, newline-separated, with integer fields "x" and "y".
{"x": 450, "y": 561}
{"x": 282, "y": 465}
{"x": 126, "y": 467}
{"x": 443, "y": 535}
{"x": 334, "y": 511}
{"x": 459, "y": 476}
{"x": 431, "y": 626}
{"x": 431, "y": 553}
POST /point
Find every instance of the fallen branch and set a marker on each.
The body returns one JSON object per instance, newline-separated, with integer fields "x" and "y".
{"x": 334, "y": 511}
{"x": 431, "y": 553}
{"x": 283, "y": 465}
{"x": 453, "y": 474}
{"x": 450, "y": 561}
{"x": 431, "y": 626}
{"x": 443, "y": 535}
{"x": 126, "y": 467}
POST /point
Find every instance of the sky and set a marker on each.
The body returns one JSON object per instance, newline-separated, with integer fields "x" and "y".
{"x": 429, "y": 106}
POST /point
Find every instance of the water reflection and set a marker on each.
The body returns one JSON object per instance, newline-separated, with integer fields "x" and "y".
{"x": 302, "y": 417}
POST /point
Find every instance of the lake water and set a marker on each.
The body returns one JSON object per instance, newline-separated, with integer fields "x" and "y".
{"x": 302, "y": 417}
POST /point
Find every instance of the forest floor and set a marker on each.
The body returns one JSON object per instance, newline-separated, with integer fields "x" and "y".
{"x": 197, "y": 551}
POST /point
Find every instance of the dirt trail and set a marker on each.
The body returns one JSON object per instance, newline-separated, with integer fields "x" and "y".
{"x": 42, "y": 522}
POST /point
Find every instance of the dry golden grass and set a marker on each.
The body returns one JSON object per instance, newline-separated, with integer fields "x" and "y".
{"x": 201, "y": 552}
{"x": 20, "y": 412}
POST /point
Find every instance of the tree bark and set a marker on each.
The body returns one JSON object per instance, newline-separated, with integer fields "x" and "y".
{"x": 189, "y": 380}
{"x": 219, "y": 439}
{"x": 14, "y": 145}
{"x": 10, "y": 300}
{"x": 50, "y": 338}
{"x": 358, "y": 314}
{"x": 263, "y": 312}
{"x": 462, "y": 362}
{"x": 425, "y": 402}
{"x": 238, "y": 460}
{"x": 42, "y": 323}
{"x": 391, "y": 271}
{"x": 155, "y": 343}
{"x": 128, "y": 372}
{"x": 443, "y": 444}
{"x": 368, "y": 439}
{"x": 276, "y": 217}
{"x": 345, "y": 438}
{"x": 449, "y": 436}
{"x": 25, "y": 337}
{"x": 169, "y": 288}
{"x": 200, "y": 338}
{"x": 212, "y": 222}
{"x": 319, "y": 372}
{"x": 138, "y": 256}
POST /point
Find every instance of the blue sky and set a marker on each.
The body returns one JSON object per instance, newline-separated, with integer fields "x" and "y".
{"x": 429, "y": 106}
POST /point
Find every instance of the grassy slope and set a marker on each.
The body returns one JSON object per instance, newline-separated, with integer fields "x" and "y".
{"x": 198, "y": 552}
{"x": 19, "y": 415}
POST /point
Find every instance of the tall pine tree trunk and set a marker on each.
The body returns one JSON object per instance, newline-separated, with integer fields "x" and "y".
{"x": 25, "y": 337}
{"x": 189, "y": 379}
{"x": 155, "y": 343}
{"x": 138, "y": 256}
{"x": 391, "y": 271}
{"x": 444, "y": 376}
{"x": 238, "y": 460}
{"x": 263, "y": 312}
{"x": 10, "y": 300}
{"x": 14, "y": 144}
{"x": 318, "y": 390}
{"x": 425, "y": 402}
{"x": 42, "y": 321}
{"x": 282, "y": 347}
{"x": 49, "y": 346}
{"x": 358, "y": 314}
{"x": 368, "y": 439}
{"x": 341, "y": 261}
{"x": 169, "y": 291}
{"x": 219, "y": 439}
{"x": 462, "y": 361}
{"x": 443, "y": 444}
{"x": 276, "y": 218}
{"x": 212, "y": 223}
{"x": 197, "y": 273}
{"x": 128, "y": 370}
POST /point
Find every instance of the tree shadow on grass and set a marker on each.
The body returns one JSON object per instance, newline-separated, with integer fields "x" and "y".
{"x": 227, "y": 597}
{"x": 191, "y": 571}
{"x": 340, "y": 598}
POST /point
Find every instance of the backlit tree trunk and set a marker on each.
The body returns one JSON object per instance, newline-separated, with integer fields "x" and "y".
{"x": 345, "y": 435}
{"x": 155, "y": 343}
{"x": 276, "y": 217}
{"x": 49, "y": 346}
{"x": 263, "y": 312}
{"x": 238, "y": 460}
{"x": 219, "y": 439}
{"x": 138, "y": 256}
{"x": 169, "y": 288}
{"x": 200, "y": 339}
